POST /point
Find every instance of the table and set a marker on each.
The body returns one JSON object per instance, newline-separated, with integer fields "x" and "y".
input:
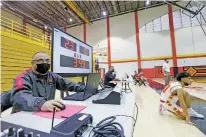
{"x": 124, "y": 83}
{"x": 127, "y": 107}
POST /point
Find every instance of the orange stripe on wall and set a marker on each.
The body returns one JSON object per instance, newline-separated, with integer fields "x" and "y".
{"x": 124, "y": 61}
{"x": 108, "y": 43}
{"x": 85, "y": 33}
{"x": 155, "y": 58}
{"x": 191, "y": 56}
{"x": 137, "y": 38}
{"x": 172, "y": 35}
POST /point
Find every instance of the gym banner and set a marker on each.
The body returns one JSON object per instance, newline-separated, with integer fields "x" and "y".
{"x": 196, "y": 71}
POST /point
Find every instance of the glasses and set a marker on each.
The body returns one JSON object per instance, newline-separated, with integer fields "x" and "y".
{"x": 40, "y": 61}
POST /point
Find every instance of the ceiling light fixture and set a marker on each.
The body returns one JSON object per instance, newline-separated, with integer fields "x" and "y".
{"x": 104, "y": 13}
{"x": 148, "y": 2}
{"x": 45, "y": 27}
{"x": 0, "y": 4}
{"x": 70, "y": 19}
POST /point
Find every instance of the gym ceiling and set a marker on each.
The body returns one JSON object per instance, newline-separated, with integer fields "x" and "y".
{"x": 71, "y": 13}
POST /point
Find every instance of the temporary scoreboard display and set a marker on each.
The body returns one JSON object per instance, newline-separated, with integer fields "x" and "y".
{"x": 70, "y": 56}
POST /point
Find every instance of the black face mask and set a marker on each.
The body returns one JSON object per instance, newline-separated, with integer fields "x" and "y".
{"x": 43, "y": 68}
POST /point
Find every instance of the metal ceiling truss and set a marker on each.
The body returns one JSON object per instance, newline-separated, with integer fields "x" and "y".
{"x": 77, "y": 11}
{"x": 61, "y": 13}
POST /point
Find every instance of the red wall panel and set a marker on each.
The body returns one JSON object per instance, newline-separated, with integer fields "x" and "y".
{"x": 148, "y": 72}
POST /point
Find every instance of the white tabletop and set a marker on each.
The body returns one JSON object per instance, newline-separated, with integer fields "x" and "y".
{"x": 122, "y": 81}
{"x": 98, "y": 111}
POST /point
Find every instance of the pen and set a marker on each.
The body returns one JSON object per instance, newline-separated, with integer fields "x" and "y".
{"x": 64, "y": 117}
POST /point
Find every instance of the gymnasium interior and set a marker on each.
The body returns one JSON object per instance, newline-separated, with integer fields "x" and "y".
{"x": 126, "y": 35}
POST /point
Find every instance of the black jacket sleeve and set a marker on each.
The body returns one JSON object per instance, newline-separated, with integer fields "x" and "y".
{"x": 67, "y": 85}
{"x": 110, "y": 76}
{"x": 22, "y": 98}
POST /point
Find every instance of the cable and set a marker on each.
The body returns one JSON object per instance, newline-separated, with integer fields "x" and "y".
{"x": 137, "y": 112}
{"x": 126, "y": 116}
{"x": 108, "y": 128}
{"x": 135, "y": 118}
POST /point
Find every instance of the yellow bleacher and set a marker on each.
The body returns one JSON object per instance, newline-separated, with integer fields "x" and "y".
{"x": 18, "y": 44}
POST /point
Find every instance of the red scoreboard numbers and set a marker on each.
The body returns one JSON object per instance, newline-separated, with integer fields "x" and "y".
{"x": 79, "y": 63}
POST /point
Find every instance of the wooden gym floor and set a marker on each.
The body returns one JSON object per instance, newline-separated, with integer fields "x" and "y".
{"x": 151, "y": 124}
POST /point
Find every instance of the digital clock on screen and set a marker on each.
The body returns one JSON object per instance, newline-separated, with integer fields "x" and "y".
{"x": 66, "y": 61}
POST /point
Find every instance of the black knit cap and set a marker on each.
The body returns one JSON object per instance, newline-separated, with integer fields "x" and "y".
{"x": 182, "y": 75}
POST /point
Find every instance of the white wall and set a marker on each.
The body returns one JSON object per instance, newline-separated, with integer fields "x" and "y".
{"x": 191, "y": 61}
{"x": 199, "y": 39}
{"x": 77, "y": 32}
{"x": 153, "y": 63}
{"x": 148, "y": 15}
{"x": 123, "y": 37}
{"x": 190, "y": 40}
{"x": 122, "y": 68}
{"x": 155, "y": 44}
{"x": 96, "y": 33}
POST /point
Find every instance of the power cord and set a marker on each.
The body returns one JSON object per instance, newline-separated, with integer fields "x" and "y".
{"x": 108, "y": 128}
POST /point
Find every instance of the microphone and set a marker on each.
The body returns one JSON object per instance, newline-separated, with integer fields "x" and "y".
{"x": 53, "y": 117}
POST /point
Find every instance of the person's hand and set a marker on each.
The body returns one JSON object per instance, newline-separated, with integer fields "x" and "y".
{"x": 50, "y": 105}
{"x": 188, "y": 121}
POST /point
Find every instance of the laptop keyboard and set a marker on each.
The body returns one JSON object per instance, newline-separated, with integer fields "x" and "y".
{"x": 78, "y": 96}
{"x": 75, "y": 96}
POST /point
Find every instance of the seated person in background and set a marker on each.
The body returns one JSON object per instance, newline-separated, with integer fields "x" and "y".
{"x": 140, "y": 76}
{"x": 34, "y": 89}
{"x": 110, "y": 76}
{"x": 136, "y": 78}
{"x": 174, "y": 92}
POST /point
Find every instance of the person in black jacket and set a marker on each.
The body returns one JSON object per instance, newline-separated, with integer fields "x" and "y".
{"x": 110, "y": 76}
{"x": 34, "y": 89}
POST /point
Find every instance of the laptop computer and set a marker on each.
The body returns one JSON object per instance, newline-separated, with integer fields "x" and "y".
{"x": 90, "y": 89}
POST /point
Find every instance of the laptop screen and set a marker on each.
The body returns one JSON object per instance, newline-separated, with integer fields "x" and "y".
{"x": 93, "y": 82}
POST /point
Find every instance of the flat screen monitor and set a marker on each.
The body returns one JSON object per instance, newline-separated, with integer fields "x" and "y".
{"x": 70, "y": 56}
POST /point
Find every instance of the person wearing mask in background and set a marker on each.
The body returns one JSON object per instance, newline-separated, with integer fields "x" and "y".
{"x": 166, "y": 71}
{"x": 175, "y": 92}
{"x": 34, "y": 89}
{"x": 110, "y": 76}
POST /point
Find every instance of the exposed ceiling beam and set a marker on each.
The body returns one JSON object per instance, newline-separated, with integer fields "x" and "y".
{"x": 51, "y": 7}
{"x": 85, "y": 3}
{"x": 121, "y": 13}
{"x": 70, "y": 12}
{"x": 113, "y": 9}
{"x": 77, "y": 11}
{"x": 31, "y": 17}
{"x": 175, "y": 4}
{"x": 93, "y": 6}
